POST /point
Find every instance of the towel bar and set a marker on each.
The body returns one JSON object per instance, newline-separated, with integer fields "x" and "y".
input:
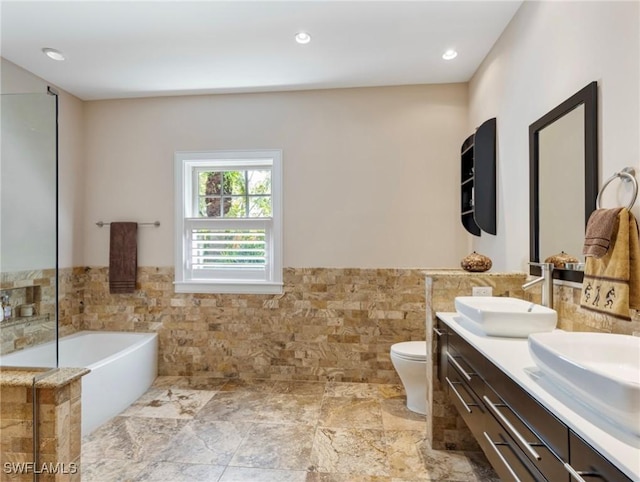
{"x": 628, "y": 174}
{"x": 156, "y": 224}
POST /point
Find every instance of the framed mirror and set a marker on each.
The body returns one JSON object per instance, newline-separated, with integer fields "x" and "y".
{"x": 563, "y": 179}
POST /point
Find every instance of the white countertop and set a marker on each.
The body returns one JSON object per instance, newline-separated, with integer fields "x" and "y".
{"x": 512, "y": 356}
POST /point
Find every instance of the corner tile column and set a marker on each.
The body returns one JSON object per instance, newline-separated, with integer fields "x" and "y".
{"x": 445, "y": 428}
{"x": 59, "y": 425}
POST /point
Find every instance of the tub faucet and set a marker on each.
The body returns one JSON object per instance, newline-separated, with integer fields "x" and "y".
{"x": 547, "y": 283}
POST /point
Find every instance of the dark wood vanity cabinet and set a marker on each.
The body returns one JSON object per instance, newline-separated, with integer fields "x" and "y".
{"x": 465, "y": 389}
{"x": 440, "y": 341}
{"x": 478, "y": 180}
{"x": 589, "y": 464}
{"x": 508, "y": 440}
{"x": 521, "y": 438}
{"x": 506, "y": 458}
{"x": 542, "y": 437}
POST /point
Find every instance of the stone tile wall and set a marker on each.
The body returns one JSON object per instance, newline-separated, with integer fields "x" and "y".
{"x": 71, "y": 299}
{"x": 324, "y": 316}
{"x": 329, "y": 324}
{"x": 38, "y": 287}
{"x": 60, "y": 416}
{"x": 572, "y": 318}
{"x": 59, "y": 419}
{"x": 41, "y": 283}
{"x": 23, "y": 333}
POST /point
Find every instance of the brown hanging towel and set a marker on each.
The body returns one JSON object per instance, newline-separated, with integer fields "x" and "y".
{"x": 123, "y": 257}
{"x": 599, "y": 231}
{"x": 611, "y": 284}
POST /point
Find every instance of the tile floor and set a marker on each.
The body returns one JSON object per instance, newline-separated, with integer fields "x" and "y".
{"x": 202, "y": 429}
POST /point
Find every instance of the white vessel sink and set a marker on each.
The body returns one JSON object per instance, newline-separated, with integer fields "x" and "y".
{"x": 600, "y": 369}
{"x": 502, "y": 316}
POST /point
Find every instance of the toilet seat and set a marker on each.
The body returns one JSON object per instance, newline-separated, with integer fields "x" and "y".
{"x": 410, "y": 350}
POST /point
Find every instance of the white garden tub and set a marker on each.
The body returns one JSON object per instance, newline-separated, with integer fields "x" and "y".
{"x": 123, "y": 366}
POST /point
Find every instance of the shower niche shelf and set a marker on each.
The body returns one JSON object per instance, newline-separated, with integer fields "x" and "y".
{"x": 24, "y": 320}
{"x": 34, "y": 295}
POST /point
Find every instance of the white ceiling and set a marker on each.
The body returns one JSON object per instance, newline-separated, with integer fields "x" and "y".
{"x": 118, "y": 49}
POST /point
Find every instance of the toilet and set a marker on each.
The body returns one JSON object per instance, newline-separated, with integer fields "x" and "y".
{"x": 409, "y": 358}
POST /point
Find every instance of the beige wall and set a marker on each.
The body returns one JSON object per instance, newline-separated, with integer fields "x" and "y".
{"x": 370, "y": 175}
{"x": 549, "y": 51}
{"x": 71, "y": 165}
{"x": 378, "y": 151}
{"x": 71, "y": 180}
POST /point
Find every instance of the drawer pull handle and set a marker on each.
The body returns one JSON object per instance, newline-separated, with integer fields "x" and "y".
{"x": 460, "y": 369}
{"x": 517, "y": 435}
{"x": 577, "y": 475}
{"x": 500, "y": 456}
{"x": 438, "y": 332}
{"x": 466, "y": 405}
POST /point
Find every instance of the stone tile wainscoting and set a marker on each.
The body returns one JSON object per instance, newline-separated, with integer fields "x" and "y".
{"x": 328, "y": 325}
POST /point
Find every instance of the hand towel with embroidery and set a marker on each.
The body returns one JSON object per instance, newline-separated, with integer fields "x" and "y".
{"x": 612, "y": 282}
{"x": 599, "y": 230}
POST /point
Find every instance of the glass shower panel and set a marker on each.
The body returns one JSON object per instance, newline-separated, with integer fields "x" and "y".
{"x": 28, "y": 230}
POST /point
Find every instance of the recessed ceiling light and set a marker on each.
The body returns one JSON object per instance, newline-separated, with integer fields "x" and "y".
{"x": 53, "y": 54}
{"x": 450, "y": 54}
{"x": 303, "y": 38}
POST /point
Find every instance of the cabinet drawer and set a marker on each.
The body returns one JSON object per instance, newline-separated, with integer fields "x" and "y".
{"x": 440, "y": 334}
{"x": 528, "y": 441}
{"x": 467, "y": 360}
{"x": 472, "y": 356}
{"x": 533, "y": 420}
{"x": 466, "y": 401}
{"x": 505, "y": 456}
{"x": 590, "y": 465}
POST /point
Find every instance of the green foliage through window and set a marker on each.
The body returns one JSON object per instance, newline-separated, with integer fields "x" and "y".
{"x": 235, "y": 194}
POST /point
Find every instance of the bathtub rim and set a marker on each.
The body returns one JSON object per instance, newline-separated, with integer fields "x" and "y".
{"x": 129, "y": 348}
{"x": 103, "y": 361}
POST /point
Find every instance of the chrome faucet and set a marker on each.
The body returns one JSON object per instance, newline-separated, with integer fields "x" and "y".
{"x": 547, "y": 283}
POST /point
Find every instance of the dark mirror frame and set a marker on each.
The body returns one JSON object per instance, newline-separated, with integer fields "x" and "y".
{"x": 588, "y": 97}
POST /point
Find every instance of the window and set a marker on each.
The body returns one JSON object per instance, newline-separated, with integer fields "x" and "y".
{"x": 228, "y": 222}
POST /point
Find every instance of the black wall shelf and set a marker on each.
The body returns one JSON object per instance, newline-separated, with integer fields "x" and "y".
{"x": 478, "y": 180}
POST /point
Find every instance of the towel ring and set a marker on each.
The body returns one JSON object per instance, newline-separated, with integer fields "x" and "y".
{"x": 627, "y": 175}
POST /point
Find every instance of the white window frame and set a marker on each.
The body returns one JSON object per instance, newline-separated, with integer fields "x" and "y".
{"x": 186, "y": 163}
